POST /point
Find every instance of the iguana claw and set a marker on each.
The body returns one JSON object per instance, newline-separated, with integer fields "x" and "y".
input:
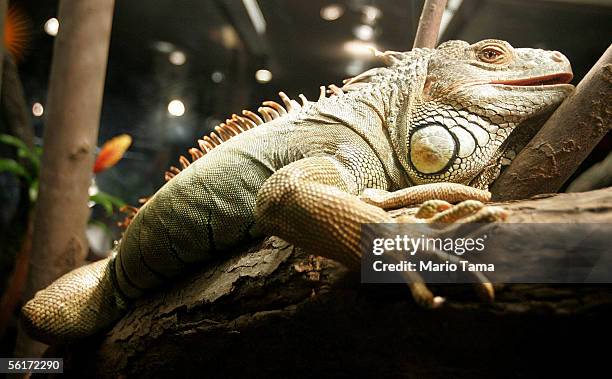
{"x": 439, "y": 213}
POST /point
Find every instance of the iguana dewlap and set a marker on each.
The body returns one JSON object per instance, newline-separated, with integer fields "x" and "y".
{"x": 430, "y": 116}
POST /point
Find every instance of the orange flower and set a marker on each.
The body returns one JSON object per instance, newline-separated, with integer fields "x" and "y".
{"x": 111, "y": 152}
{"x": 16, "y": 32}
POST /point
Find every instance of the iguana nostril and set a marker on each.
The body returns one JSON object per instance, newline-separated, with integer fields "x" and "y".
{"x": 557, "y": 56}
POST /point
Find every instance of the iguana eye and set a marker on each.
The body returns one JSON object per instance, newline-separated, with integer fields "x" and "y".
{"x": 491, "y": 54}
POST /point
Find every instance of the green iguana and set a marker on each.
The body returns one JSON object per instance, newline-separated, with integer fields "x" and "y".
{"x": 431, "y": 125}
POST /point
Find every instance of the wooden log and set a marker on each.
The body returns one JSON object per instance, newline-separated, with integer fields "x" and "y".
{"x": 74, "y": 103}
{"x": 565, "y": 140}
{"x": 272, "y": 310}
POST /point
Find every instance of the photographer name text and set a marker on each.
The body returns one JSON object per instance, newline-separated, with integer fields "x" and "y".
{"x": 436, "y": 246}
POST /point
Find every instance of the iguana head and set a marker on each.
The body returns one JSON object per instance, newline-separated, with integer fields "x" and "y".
{"x": 453, "y": 125}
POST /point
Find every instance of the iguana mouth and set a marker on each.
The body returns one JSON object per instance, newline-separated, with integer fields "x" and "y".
{"x": 547, "y": 80}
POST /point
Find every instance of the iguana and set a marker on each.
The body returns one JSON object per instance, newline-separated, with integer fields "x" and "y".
{"x": 430, "y": 127}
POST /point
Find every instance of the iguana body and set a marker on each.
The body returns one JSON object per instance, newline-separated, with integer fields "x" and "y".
{"x": 432, "y": 116}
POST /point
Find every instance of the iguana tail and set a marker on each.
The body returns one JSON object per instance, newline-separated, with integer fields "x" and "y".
{"x": 77, "y": 305}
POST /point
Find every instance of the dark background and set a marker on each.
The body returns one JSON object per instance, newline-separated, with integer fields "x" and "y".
{"x": 299, "y": 47}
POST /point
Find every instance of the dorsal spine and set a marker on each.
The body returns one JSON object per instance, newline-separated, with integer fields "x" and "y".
{"x": 270, "y": 110}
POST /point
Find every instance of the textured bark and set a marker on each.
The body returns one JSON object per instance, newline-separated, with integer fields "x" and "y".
{"x": 75, "y": 101}
{"x": 274, "y": 310}
{"x": 429, "y": 24}
{"x": 565, "y": 140}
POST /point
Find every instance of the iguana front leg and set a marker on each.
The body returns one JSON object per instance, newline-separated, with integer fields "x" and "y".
{"x": 312, "y": 203}
{"x": 435, "y": 208}
{"x": 435, "y": 203}
{"x": 416, "y": 195}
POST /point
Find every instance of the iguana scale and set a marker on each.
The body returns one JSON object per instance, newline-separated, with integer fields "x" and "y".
{"x": 431, "y": 125}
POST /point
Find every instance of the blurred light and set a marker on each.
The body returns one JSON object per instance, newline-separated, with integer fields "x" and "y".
{"x": 177, "y": 58}
{"x": 332, "y": 12}
{"x": 257, "y": 18}
{"x": 176, "y": 108}
{"x": 360, "y": 48}
{"x": 38, "y": 109}
{"x": 451, "y": 8}
{"x": 227, "y": 36}
{"x": 163, "y": 47}
{"x": 217, "y": 76}
{"x": 263, "y": 76}
{"x": 364, "y": 32}
{"x": 91, "y": 191}
{"x": 98, "y": 238}
{"x": 93, "y": 188}
{"x": 52, "y": 26}
{"x": 371, "y": 14}
{"x": 355, "y": 67}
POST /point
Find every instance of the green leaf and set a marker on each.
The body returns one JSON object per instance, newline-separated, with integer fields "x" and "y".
{"x": 33, "y": 191}
{"x": 113, "y": 199}
{"x": 23, "y": 151}
{"x": 10, "y": 165}
{"x": 13, "y": 141}
{"x": 100, "y": 200}
{"x": 107, "y": 201}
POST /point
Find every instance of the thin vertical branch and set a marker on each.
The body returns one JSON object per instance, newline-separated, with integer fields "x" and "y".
{"x": 429, "y": 24}
{"x": 74, "y": 103}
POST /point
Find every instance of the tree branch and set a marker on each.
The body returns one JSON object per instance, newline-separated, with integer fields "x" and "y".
{"x": 565, "y": 140}
{"x": 429, "y": 24}
{"x": 76, "y": 86}
{"x": 274, "y": 310}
